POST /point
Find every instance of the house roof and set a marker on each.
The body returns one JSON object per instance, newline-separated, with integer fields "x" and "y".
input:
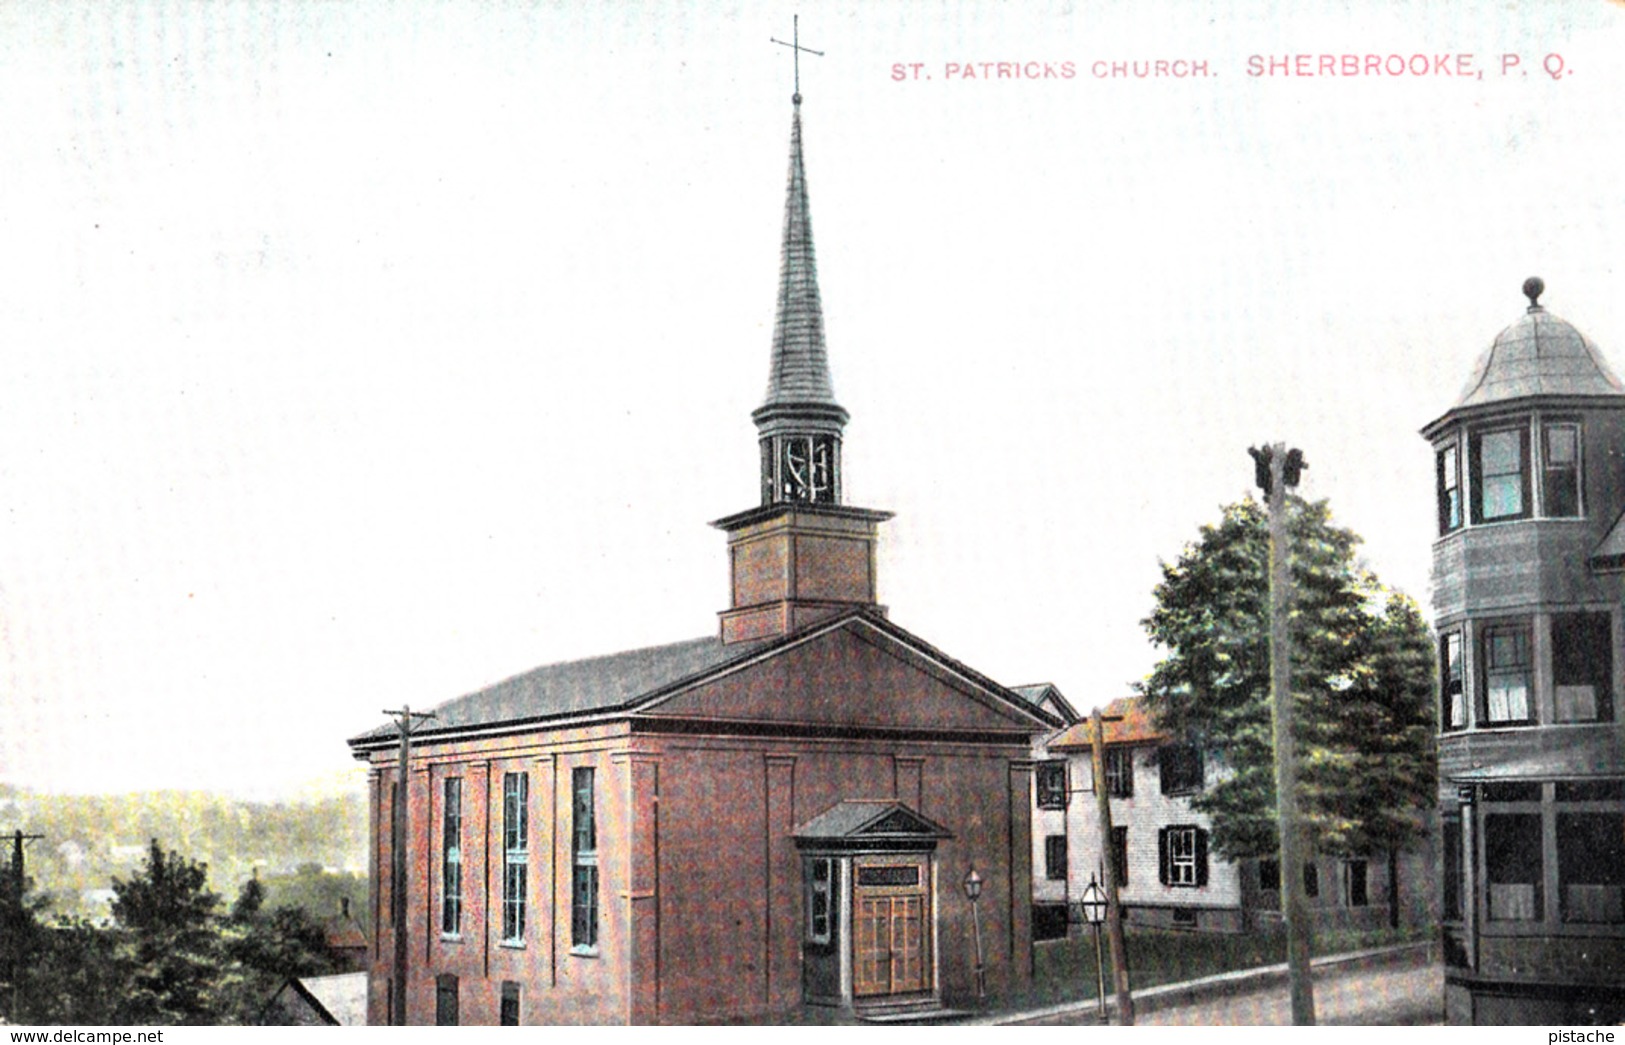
{"x": 1126, "y": 720}
{"x": 632, "y": 680}
{"x": 1539, "y": 355}
{"x": 344, "y": 996}
{"x": 1040, "y": 693}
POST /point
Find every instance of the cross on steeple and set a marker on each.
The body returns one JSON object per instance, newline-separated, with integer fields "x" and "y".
{"x": 795, "y": 45}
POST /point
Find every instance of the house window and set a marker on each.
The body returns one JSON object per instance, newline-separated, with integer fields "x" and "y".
{"x": 1449, "y": 475}
{"x": 584, "y": 860}
{"x": 508, "y": 1015}
{"x": 1591, "y": 866}
{"x": 1120, "y": 772}
{"x": 1513, "y": 866}
{"x": 1506, "y": 676}
{"x": 445, "y": 1000}
{"x": 1052, "y": 785}
{"x": 821, "y": 893}
{"x": 1181, "y": 766}
{"x": 1269, "y": 875}
{"x": 1452, "y": 859}
{"x": 515, "y": 854}
{"x": 1560, "y": 472}
{"x": 1055, "y": 858}
{"x": 451, "y": 860}
{"x": 1355, "y": 873}
{"x": 1120, "y": 855}
{"x": 1311, "y": 880}
{"x": 1452, "y": 695}
{"x": 1500, "y": 474}
{"x": 1183, "y": 856}
{"x": 1583, "y": 667}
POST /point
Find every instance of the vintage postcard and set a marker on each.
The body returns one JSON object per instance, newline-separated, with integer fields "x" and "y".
{"x": 692, "y": 513}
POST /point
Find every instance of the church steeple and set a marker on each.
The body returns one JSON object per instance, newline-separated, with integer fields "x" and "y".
{"x": 799, "y": 422}
{"x": 801, "y": 556}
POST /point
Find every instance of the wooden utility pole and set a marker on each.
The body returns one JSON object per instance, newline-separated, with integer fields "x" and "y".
{"x": 400, "y": 824}
{"x": 1114, "y": 911}
{"x": 1283, "y": 467}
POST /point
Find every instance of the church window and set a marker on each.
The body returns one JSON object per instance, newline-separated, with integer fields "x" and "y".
{"x": 1311, "y": 879}
{"x": 508, "y": 1014}
{"x": 1513, "y": 866}
{"x": 445, "y": 1000}
{"x": 1269, "y": 874}
{"x": 1452, "y": 698}
{"x": 1449, "y": 477}
{"x": 1052, "y": 784}
{"x": 451, "y": 858}
{"x": 1583, "y": 667}
{"x": 1506, "y": 676}
{"x": 1500, "y": 462}
{"x": 1120, "y": 772}
{"x": 1560, "y": 472}
{"x": 1181, "y": 766}
{"x": 584, "y": 860}
{"x": 515, "y": 854}
{"x": 1055, "y": 858}
{"x": 821, "y": 892}
{"x": 1591, "y": 866}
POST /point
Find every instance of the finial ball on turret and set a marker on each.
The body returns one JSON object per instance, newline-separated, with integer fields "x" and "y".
{"x": 1533, "y": 288}
{"x": 795, "y": 99}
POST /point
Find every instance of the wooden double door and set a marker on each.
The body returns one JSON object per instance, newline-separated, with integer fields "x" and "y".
{"x": 891, "y": 925}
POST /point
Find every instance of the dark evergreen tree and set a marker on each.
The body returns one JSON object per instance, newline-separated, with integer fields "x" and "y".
{"x": 1362, "y": 682}
{"x": 167, "y": 915}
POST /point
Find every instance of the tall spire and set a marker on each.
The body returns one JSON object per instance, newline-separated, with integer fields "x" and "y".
{"x": 799, "y": 373}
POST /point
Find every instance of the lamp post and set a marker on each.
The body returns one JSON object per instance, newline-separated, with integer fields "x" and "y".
{"x": 1093, "y": 902}
{"x": 973, "y": 890}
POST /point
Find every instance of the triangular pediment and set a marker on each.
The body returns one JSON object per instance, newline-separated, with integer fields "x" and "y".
{"x": 861, "y": 820}
{"x": 857, "y": 676}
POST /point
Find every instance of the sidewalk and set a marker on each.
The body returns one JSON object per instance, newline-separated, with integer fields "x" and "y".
{"x": 1391, "y": 985}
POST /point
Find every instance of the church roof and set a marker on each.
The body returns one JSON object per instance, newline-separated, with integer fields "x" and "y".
{"x": 799, "y": 374}
{"x": 1539, "y": 355}
{"x": 579, "y": 686}
{"x": 635, "y": 679}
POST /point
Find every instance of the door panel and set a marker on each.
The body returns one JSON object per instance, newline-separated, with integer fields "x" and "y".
{"x": 891, "y": 948}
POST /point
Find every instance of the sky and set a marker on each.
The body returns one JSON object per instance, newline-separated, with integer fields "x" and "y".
{"x": 358, "y": 355}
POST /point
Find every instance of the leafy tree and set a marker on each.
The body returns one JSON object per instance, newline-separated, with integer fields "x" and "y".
{"x": 167, "y": 915}
{"x": 81, "y": 976}
{"x": 1362, "y": 682}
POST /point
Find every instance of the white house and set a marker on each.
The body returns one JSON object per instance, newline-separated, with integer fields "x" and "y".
{"x": 1168, "y": 874}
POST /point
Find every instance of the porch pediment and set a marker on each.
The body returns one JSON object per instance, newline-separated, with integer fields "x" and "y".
{"x": 870, "y": 822}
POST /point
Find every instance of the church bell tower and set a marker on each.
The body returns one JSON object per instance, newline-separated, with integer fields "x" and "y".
{"x": 801, "y": 555}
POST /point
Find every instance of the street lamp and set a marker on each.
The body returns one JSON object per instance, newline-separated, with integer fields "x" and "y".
{"x": 1093, "y": 903}
{"x": 973, "y": 889}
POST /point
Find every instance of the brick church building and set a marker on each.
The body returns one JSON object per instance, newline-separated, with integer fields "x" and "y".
{"x": 790, "y": 812}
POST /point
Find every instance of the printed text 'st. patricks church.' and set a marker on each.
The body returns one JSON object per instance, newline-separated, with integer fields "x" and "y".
{"x": 788, "y": 813}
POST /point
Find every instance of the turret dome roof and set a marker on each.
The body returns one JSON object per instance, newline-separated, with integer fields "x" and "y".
{"x": 1539, "y": 355}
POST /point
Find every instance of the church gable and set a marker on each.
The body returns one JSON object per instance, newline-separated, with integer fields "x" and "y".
{"x": 855, "y": 675}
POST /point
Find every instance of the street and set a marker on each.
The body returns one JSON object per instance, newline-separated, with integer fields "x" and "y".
{"x": 1408, "y": 995}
